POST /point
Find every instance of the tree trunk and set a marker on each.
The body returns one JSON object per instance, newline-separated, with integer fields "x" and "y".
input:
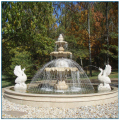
{"x": 107, "y": 32}
{"x": 88, "y": 19}
{"x": 65, "y": 18}
{"x": 81, "y": 62}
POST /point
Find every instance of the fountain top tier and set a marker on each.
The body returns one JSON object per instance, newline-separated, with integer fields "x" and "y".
{"x": 61, "y": 44}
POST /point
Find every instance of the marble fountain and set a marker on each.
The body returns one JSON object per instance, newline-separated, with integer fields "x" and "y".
{"x": 61, "y": 83}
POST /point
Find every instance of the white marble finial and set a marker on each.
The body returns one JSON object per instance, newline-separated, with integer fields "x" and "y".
{"x": 60, "y": 38}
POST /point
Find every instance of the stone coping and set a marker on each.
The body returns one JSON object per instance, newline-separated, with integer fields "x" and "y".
{"x": 7, "y": 89}
{"x": 61, "y": 100}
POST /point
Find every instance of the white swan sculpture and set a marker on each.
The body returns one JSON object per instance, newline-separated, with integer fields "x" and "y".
{"x": 104, "y": 79}
{"x": 20, "y": 85}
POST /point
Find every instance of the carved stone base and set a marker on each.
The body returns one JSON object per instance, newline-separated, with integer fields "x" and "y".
{"x": 22, "y": 87}
{"x": 61, "y": 85}
{"x": 105, "y": 87}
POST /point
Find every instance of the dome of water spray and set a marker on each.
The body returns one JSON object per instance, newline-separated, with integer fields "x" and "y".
{"x": 62, "y": 76}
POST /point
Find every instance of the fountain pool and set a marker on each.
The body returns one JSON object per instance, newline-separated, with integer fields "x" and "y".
{"x": 61, "y": 100}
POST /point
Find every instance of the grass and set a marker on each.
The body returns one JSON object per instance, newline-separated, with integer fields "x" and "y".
{"x": 7, "y": 81}
{"x": 114, "y": 74}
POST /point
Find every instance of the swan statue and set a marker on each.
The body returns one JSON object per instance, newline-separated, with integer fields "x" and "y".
{"x": 20, "y": 85}
{"x": 104, "y": 79}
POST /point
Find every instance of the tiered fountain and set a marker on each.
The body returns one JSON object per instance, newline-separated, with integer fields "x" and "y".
{"x": 61, "y": 68}
{"x": 61, "y": 75}
{"x": 61, "y": 83}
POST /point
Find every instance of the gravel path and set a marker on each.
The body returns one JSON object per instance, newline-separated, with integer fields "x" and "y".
{"x": 12, "y": 110}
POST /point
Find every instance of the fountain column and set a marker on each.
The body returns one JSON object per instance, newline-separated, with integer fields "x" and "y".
{"x": 62, "y": 68}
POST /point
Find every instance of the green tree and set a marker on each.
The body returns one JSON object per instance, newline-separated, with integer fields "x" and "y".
{"x": 74, "y": 25}
{"x": 26, "y": 26}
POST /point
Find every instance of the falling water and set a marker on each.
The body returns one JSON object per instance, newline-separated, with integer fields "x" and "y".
{"x": 66, "y": 46}
{"x": 70, "y": 56}
{"x": 50, "y": 57}
{"x": 44, "y": 81}
{"x": 78, "y": 76}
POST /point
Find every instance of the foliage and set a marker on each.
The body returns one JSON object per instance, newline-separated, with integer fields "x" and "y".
{"x": 29, "y": 30}
{"x": 25, "y": 34}
{"x": 75, "y": 20}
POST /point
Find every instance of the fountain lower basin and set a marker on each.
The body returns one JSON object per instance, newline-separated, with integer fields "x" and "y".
{"x": 61, "y": 100}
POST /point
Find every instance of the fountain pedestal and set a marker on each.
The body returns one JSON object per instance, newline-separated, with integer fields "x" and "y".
{"x": 61, "y": 85}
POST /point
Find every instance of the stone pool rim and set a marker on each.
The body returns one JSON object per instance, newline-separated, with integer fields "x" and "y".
{"x": 61, "y": 100}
